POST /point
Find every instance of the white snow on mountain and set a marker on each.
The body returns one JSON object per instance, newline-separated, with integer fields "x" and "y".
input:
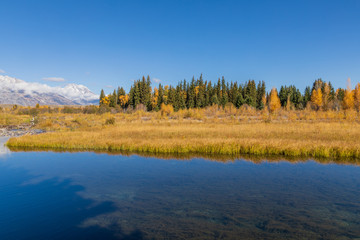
{"x": 16, "y": 91}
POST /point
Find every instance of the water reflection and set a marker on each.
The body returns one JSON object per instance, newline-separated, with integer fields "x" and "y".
{"x": 3, "y": 149}
{"x": 212, "y": 157}
{"x": 99, "y": 196}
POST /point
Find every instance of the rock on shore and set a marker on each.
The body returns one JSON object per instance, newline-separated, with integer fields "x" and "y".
{"x": 18, "y": 130}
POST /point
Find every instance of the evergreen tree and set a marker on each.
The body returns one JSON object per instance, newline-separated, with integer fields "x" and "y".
{"x": 161, "y": 96}
{"x": 215, "y": 100}
{"x": 113, "y": 99}
{"x": 102, "y": 95}
{"x": 307, "y": 96}
{"x": 224, "y": 96}
{"x": 239, "y": 100}
{"x": 191, "y": 94}
{"x": 260, "y": 93}
{"x": 340, "y": 94}
{"x": 148, "y": 93}
{"x": 250, "y": 93}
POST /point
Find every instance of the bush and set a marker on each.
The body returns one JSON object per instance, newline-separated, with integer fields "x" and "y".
{"x": 104, "y": 109}
{"x": 166, "y": 110}
{"x": 90, "y": 109}
{"x": 110, "y": 121}
{"x": 67, "y": 109}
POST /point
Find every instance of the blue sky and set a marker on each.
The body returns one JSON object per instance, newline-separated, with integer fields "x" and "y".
{"x": 110, "y": 43}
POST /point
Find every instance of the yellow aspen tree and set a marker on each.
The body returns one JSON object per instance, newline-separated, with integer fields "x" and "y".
{"x": 155, "y": 98}
{"x": 274, "y": 103}
{"x": 325, "y": 97}
{"x": 357, "y": 97}
{"x": 348, "y": 101}
{"x": 124, "y": 99}
{"x": 263, "y": 100}
{"x": 105, "y": 101}
{"x": 317, "y": 98}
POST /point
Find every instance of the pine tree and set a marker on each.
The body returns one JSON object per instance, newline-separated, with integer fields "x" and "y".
{"x": 161, "y": 96}
{"x": 250, "y": 93}
{"x": 113, "y": 98}
{"x": 224, "y": 96}
{"x": 239, "y": 101}
{"x": 215, "y": 100}
{"x": 260, "y": 93}
{"x": 148, "y": 94}
{"x": 283, "y": 95}
{"x": 307, "y": 96}
{"x": 191, "y": 94}
{"x": 357, "y": 97}
{"x": 102, "y": 95}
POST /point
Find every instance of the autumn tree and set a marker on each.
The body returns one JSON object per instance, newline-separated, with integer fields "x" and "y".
{"x": 274, "y": 102}
{"x": 105, "y": 101}
{"x": 325, "y": 96}
{"x": 124, "y": 100}
{"x": 317, "y": 98}
{"x": 166, "y": 110}
{"x": 348, "y": 101}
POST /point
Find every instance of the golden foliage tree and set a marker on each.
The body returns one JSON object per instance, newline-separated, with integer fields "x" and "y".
{"x": 124, "y": 99}
{"x": 317, "y": 98}
{"x": 105, "y": 101}
{"x": 348, "y": 101}
{"x": 326, "y": 95}
{"x": 263, "y": 100}
{"x": 166, "y": 110}
{"x": 274, "y": 102}
{"x": 155, "y": 97}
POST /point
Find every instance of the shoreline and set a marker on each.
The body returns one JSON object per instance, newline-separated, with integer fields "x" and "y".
{"x": 18, "y": 130}
{"x": 188, "y": 156}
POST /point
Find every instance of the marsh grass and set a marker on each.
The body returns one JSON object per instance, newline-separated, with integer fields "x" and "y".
{"x": 212, "y": 131}
{"x": 290, "y": 138}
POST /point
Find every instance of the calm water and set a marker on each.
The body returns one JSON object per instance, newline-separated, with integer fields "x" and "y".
{"x": 98, "y": 196}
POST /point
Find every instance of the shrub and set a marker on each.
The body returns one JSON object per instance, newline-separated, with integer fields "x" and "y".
{"x": 166, "y": 110}
{"x": 90, "y": 109}
{"x": 67, "y": 109}
{"x": 110, "y": 121}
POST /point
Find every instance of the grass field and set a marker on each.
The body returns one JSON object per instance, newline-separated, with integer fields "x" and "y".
{"x": 213, "y": 131}
{"x": 336, "y": 139}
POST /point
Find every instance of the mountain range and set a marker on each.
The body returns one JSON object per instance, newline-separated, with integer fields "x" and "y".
{"x": 16, "y": 91}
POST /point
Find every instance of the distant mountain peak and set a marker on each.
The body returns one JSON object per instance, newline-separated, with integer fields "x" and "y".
{"x": 16, "y": 91}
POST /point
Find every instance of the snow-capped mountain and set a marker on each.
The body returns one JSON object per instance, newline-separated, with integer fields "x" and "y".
{"x": 16, "y": 91}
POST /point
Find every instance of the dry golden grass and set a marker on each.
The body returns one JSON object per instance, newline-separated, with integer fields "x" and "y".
{"x": 213, "y": 131}
{"x": 231, "y": 137}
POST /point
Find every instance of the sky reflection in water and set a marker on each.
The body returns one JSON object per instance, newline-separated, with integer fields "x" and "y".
{"x": 99, "y": 196}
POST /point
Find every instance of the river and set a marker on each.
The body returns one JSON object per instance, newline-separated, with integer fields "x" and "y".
{"x": 48, "y": 195}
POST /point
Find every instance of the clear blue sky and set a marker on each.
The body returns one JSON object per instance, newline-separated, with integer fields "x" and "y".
{"x": 101, "y": 43}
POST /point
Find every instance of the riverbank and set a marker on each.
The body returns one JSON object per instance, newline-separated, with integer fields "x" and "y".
{"x": 18, "y": 130}
{"x": 296, "y": 139}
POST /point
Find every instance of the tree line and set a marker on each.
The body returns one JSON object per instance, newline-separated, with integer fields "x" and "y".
{"x": 200, "y": 93}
